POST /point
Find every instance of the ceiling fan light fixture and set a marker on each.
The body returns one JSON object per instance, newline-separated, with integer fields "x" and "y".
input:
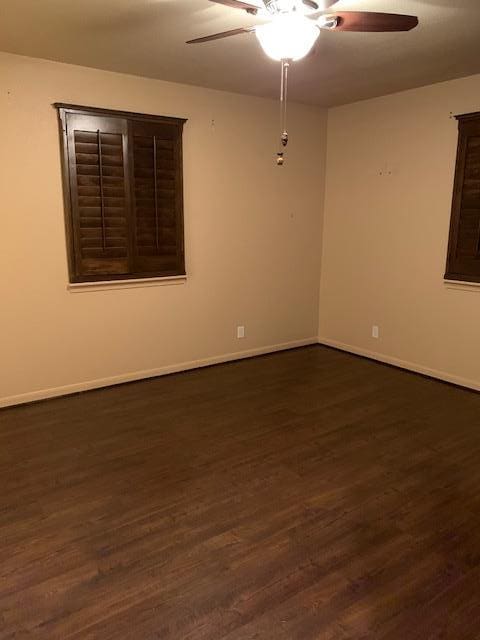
{"x": 290, "y": 36}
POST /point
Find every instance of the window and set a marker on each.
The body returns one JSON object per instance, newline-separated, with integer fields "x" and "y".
{"x": 463, "y": 262}
{"x": 123, "y": 190}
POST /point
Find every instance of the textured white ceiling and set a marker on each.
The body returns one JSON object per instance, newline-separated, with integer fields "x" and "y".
{"x": 146, "y": 37}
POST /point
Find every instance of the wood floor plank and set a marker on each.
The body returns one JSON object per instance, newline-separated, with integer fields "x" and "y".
{"x": 305, "y": 495}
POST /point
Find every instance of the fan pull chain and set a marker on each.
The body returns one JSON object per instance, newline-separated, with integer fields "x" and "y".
{"x": 283, "y": 112}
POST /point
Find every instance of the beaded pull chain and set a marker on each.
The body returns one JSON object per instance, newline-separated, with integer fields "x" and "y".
{"x": 283, "y": 112}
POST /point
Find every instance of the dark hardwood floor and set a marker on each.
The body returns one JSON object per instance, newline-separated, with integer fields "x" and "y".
{"x": 304, "y": 495}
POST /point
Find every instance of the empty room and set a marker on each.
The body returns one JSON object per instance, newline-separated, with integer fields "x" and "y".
{"x": 240, "y": 320}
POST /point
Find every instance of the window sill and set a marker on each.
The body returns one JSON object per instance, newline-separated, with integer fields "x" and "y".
{"x": 461, "y": 285}
{"x": 105, "y": 285}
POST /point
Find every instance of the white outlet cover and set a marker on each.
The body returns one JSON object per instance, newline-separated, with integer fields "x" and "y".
{"x": 375, "y": 331}
{"x": 240, "y": 332}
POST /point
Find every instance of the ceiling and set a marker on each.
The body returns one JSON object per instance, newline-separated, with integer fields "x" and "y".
{"x": 146, "y": 38}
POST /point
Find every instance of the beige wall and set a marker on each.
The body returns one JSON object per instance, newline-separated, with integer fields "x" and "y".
{"x": 390, "y": 169}
{"x": 252, "y": 235}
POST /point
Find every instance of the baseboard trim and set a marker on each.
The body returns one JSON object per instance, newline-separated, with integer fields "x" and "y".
{"x": 402, "y": 364}
{"x": 88, "y": 385}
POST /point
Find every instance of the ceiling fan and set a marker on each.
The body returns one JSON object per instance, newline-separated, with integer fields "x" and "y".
{"x": 293, "y": 27}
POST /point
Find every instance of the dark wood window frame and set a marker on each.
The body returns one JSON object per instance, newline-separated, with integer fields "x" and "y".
{"x": 463, "y": 259}
{"x": 123, "y": 193}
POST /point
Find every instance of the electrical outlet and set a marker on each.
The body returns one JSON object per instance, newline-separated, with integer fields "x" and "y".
{"x": 375, "y": 331}
{"x": 240, "y": 332}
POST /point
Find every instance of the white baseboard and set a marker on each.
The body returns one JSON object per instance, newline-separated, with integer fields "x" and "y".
{"x": 87, "y": 385}
{"x": 403, "y": 364}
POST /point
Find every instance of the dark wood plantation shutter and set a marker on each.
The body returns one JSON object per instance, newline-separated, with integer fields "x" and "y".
{"x": 99, "y": 193}
{"x": 463, "y": 261}
{"x": 157, "y": 196}
{"x": 124, "y": 194}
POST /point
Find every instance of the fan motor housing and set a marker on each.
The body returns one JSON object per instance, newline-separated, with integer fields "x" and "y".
{"x": 280, "y": 6}
{"x": 288, "y": 6}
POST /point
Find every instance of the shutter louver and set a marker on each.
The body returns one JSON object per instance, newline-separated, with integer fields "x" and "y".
{"x": 464, "y": 248}
{"x": 99, "y": 194}
{"x": 157, "y": 197}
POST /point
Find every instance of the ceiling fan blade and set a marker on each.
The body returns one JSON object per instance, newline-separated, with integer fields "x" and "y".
{"x": 223, "y": 34}
{"x": 368, "y": 21}
{"x": 239, "y": 4}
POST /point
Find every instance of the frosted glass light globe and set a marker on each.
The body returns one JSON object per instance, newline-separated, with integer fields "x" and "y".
{"x": 289, "y": 36}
